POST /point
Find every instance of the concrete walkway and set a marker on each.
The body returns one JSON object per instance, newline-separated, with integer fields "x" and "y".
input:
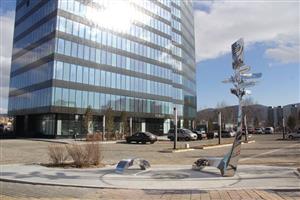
{"x": 158, "y": 177}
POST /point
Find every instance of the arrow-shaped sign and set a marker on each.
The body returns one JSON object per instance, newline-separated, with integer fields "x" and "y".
{"x": 244, "y": 69}
{"x": 251, "y": 75}
{"x": 246, "y": 84}
{"x": 229, "y": 80}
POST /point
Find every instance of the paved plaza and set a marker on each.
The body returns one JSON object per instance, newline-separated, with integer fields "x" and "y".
{"x": 267, "y": 170}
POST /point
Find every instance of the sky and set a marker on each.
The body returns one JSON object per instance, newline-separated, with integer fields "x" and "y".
{"x": 272, "y": 46}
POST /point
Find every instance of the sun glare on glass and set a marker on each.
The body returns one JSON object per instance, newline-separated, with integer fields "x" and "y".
{"x": 117, "y": 15}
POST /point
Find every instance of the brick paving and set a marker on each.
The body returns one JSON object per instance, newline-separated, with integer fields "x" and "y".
{"x": 26, "y": 191}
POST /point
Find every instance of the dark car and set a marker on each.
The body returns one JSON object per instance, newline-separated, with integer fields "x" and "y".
{"x": 142, "y": 137}
{"x": 200, "y": 134}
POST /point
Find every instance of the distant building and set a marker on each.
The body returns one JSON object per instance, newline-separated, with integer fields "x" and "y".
{"x": 270, "y": 116}
{"x": 278, "y": 116}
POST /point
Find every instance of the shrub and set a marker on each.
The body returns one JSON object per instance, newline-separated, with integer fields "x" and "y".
{"x": 57, "y": 154}
{"x": 85, "y": 154}
{"x": 94, "y": 137}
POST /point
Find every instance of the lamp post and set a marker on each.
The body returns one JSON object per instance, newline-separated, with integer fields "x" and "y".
{"x": 220, "y": 126}
{"x": 175, "y": 129}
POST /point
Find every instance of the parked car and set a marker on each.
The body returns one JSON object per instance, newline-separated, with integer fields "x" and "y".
{"x": 142, "y": 137}
{"x": 258, "y": 131}
{"x": 182, "y": 134}
{"x": 1, "y": 128}
{"x": 212, "y": 135}
{"x": 227, "y": 133}
{"x": 269, "y": 130}
{"x": 294, "y": 135}
{"x": 200, "y": 134}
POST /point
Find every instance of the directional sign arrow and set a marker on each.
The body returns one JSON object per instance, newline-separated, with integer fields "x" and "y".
{"x": 244, "y": 69}
{"x": 251, "y": 75}
{"x": 246, "y": 84}
{"x": 229, "y": 80}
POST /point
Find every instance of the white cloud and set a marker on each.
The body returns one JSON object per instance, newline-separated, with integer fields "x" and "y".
{"x": 6, "y": 39}
{"x": 274, "y": 23}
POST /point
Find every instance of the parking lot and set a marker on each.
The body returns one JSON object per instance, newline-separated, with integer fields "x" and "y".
{"x": 267, "y": 149}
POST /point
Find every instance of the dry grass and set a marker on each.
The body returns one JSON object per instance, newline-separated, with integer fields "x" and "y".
{"x": 57, "y": 154}
{"x": 86, "y": 154}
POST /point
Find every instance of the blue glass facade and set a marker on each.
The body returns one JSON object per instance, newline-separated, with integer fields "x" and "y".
{"x": 133, "y": 56}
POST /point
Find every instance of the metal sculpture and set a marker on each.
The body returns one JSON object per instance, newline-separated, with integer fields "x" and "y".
{"x": 241, "y": 80}
{"x": 126, "y": 163}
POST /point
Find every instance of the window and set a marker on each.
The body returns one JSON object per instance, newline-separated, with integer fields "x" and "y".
{"x": 93, "y": 56}
{"x": 73, "y": 73}
{"x": 59, "y": 70}
{"x": 57, "y": 100}
{"x": 81, "y": 30}
{"x": 79, "y": 74}
{"x": 74, "y": 49}
{"x": 107, "y": 82}
{"x": 92, "y": 76}
{"x": 65, "y": 97}
{"x": 62, "y": 24}
{"x": 67, "y": 48}
{"x": 72, "y": 98}
{"x": 91, "y": 99}
{"x": 78, "y": 99}
{"x": 86, "y": 53}
{"x": 97, "y": 101}
{"x": 75, "y": 28}
{"x": 66, "y": 75}
{"x": 84, "y": 99}
{"x": 87, "y": 32}
{"x": 114, "y": 60}
{"x": 98, "y": 56}
{"x": 80, "y": 51}
{"x": 86, "y": 75}
{"x": 97, "y": 77}
{"x": 69, "y": 26}
{"x": 61, "y": 46}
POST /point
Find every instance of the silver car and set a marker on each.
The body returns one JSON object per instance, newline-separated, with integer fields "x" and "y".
{"x": 293, "y": 136}
{"x": 182, "y": 134}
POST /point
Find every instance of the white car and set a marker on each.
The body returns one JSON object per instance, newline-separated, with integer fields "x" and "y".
{"x": 293, "y": 136}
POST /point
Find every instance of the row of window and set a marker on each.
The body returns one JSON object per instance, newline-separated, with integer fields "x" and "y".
{"x": 107, "y": 58}
{"x": 81, "y": 74}
{"x": 176, "y": 37}
{"x": 35, "y": 35}
{"x": 95, "y": 34}
{"x": 176, "y": 24}
{"x": 154, "y": 8}
{"x": 34, "y": 76}
{"x": 109, "y": 39}
{"x": 94, "y": 15}
{"x": 165, "y": 2}
{"x": 176, "y": 12}
{"x": 101, "y": 101}
{"x": 35, "y": 99}
{"x": 35, "y": 17}
{"x": 25, "y": 8}
{"x": 33, "y": 55}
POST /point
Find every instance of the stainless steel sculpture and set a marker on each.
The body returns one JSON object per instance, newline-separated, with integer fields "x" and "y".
{"x": 126, "y": 163}
{"x": 241, "y": 80}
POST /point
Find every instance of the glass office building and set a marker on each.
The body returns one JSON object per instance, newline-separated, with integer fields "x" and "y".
{"x": 136, "y": 56}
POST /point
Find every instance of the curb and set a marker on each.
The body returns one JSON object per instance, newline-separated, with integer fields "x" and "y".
{"x": 223, "y": 145}
{"x": 178, "y": 150}
{"x": 216, "y": 146}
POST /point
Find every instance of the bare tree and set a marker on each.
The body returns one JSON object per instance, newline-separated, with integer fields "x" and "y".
{"x": 109, "y": 122}
{"x": 88, "y": 118}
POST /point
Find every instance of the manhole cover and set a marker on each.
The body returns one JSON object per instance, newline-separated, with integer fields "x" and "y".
{"x": 170, "y": 175}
